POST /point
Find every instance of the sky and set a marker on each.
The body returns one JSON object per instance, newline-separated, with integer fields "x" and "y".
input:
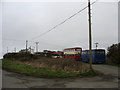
{"x": 23, "y": 21}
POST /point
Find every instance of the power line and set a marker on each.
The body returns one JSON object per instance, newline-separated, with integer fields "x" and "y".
{"x": 16, "y": 40}
{"x": 63, "y": 21}
{"x": 32, "y": 42}
{"x": 13, "y": 40}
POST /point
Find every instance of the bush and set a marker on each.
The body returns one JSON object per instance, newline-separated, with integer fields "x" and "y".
{"x": 10, "y": 55}
{"x": 63, "y": 64}
{"x": 18, "y": 56}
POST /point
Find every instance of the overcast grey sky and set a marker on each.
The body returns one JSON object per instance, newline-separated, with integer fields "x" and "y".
{"x": 25, "y": 20}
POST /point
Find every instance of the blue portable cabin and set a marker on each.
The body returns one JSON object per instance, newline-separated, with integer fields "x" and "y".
{"x": 98, "y": 56}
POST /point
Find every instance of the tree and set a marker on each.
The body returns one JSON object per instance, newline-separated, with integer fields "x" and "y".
{"x": 113, "y": 54}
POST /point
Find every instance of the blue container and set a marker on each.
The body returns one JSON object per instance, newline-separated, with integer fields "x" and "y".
{"x": 98, "y": 56}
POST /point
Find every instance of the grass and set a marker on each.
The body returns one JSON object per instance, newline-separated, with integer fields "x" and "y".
{"x": 41, "y": 72}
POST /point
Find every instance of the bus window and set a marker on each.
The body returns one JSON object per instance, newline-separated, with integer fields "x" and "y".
{"x": 72, "y": 55}
{"x": 78, "y": 49}
{"x": 78, "y": 55}
{"x": 100, "y": 52}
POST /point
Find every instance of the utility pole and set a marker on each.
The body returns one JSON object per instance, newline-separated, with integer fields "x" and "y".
{"x": 15, "y": 49}
{"x": 96, "y": 45}
{"x": 34, "y": 49}
{"x": 26, "y": 46}
{"x": 36, "y": 46}
{"x": 7, "y": 49}
{"x": 30, "y": 49}
{"x": 90, "y": 36}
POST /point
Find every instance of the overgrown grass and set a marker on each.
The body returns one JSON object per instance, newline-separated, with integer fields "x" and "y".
{"x": 41, "y": 72}
{"x": 59, "y": 64}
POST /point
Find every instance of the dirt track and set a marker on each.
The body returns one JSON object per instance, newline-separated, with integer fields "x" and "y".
{"x": 106, "y": 69}
{"x": 109, "y": 80}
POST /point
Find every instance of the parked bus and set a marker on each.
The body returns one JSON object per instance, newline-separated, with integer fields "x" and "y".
{"x": 57, "y": 55}
{"x": 74, "y": 53}
{"x": 98, "y": 56}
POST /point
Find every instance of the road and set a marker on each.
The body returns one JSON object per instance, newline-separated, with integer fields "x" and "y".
{"x": 108, "y": 80}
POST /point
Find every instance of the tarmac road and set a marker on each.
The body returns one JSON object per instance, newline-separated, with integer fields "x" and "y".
{"x": 108, "y": 80}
